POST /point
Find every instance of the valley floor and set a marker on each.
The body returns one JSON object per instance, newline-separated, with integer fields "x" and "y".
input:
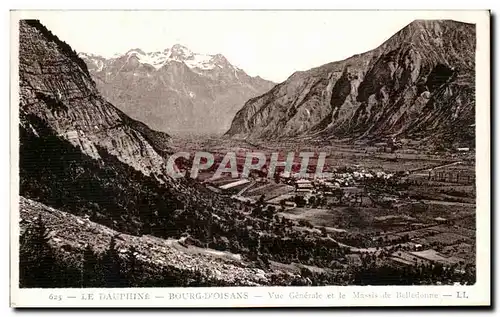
{"x": 414, "y": 223}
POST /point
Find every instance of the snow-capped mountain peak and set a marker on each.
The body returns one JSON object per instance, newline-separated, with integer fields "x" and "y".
{"x": 179, "y": 53}
{"x": 135, "y": 51}
{"x": 175, "y": 89}
{"x": 155, "y": 59}
{"x": 96, "y": 61}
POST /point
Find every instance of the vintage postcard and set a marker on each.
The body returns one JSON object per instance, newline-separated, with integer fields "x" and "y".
{"x": 250, "y": 158}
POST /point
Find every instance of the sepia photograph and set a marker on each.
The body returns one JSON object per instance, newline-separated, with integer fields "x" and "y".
{"x": 200, "y": 149}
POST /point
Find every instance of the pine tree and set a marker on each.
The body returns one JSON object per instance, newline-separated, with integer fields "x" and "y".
{"x": 37, "y": 261}
{"x": 133, "y": 267}
{"x": 91, "y": 269}
{"x": 112, "y": 267}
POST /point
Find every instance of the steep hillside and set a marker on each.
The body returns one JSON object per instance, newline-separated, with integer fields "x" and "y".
{"x": 419, "y": 84}
{"x": 69, "y": 236}
{"x": 175, "y": 90}
{"x": 56, "y": 89}
{"x": 82, "y": 156}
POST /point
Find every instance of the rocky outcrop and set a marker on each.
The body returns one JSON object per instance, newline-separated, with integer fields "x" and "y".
{"x": 70, "y": 235}
{"x": 419, "y": 84}
{"x": 175, "y": 90}
{"x": 56, "y": 87}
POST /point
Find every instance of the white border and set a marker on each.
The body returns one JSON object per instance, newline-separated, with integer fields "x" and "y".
{"x": 479, "y": 294}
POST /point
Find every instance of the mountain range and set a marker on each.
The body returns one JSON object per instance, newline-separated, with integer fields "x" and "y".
{"x": 89, "y": 176}
{"x": 419, "y": 84}
{"x": 93, "y": 181}
{"x": 175, "y": 90}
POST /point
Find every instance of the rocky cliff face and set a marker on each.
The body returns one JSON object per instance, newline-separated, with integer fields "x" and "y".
{"x": 175, "y": 90}
{"x": 418, "y": 84}
{"x": 56, "y": 87}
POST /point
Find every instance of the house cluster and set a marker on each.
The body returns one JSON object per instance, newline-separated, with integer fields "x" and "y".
{"x": 341, "y": 187}
{"x": 336, "y": 180}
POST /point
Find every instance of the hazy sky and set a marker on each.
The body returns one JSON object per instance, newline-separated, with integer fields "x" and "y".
{"x": 271, "y": 44}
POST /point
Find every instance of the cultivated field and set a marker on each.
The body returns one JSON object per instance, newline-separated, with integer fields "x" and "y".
{"x": 424, "y": 215}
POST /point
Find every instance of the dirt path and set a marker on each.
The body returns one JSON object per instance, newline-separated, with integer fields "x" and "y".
{"x": 448, "y": 203}
{"x": 434, "y": 167}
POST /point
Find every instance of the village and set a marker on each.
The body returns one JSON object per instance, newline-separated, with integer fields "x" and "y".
{"x": 290, "y": 190}
{"x": 373, "y": 213}
{"x": 409, "y": 208}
